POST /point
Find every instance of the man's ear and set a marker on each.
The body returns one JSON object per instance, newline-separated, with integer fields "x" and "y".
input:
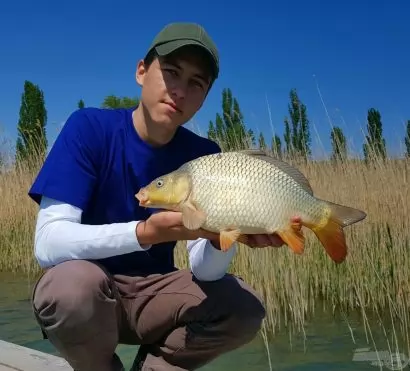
{"x": 140, "y": 73}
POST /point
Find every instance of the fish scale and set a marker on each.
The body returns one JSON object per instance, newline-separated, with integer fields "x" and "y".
{"x": 241, "y": 193}
{"x": 262, "y": 203}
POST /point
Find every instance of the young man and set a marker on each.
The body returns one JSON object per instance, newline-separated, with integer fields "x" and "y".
{"x": 110, "y": 275}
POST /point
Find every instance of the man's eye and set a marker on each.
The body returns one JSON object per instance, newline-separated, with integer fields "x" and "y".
{"x": 171, "y": 72}
{"x": 197, "y": 84}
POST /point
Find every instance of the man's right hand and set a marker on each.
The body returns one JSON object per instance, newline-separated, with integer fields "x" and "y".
{"x": 165, "y": 226}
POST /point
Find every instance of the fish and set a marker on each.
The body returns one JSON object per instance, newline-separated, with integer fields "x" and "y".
{"x": 245, "y": 192}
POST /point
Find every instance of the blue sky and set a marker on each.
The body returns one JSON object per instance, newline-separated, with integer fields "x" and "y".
{"x": 357, "y": 53}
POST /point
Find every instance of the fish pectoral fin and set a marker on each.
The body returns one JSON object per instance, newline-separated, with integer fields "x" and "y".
{"x": 228, "y": 237}
{"x": 192, "y": 218}
{"x": 294, "y": 238}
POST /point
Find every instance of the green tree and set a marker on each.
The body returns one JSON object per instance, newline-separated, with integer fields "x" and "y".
{"x": 339, "y": 145}
{"x": 229, "y": 130}
{"x": 287, "y": 136}
{"x": 261, "y": 141}
{"x": 297, "y": 131}
{"x": 112, "y": 101}
{"x": 81, "y": 104}
{"x": 32, "y": 140}
{"x": 407, "y": 139}
{"x": 216, "y": 132}
{"x": 250, "y": 139}
{"x": 212, "y": 131}
{"x": 375, "y": 146}
{"x": 276, "y": 146}
{"x": 233, "y": 121}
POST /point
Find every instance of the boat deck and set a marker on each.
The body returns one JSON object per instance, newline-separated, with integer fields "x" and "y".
{"x": 15, "y": 357}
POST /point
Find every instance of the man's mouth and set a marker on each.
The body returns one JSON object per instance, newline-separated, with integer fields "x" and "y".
{"x": 173, "y": 106}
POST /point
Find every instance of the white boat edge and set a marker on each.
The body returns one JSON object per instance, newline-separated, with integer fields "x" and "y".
{"x": 17, "y": 357}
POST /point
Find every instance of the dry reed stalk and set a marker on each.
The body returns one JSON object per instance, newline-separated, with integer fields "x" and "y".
{"x": 376, "y": 274}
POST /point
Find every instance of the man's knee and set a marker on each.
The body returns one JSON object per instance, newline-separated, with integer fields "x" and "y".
{"x": 71, "y": 294}
{"x": 246, "y": 308}
{"x": 240, "y": 306}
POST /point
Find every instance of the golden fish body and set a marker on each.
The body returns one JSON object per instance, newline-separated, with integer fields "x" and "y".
{"x": 248, "y": 192}
{"x": 244, "y": 192}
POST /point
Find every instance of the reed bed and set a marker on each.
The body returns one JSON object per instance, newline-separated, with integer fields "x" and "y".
{"x": 375, "y": 276}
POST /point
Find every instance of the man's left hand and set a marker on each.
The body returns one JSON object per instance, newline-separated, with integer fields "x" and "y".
{"x": 265, "y": 240}
{"x": 262, "y": 240}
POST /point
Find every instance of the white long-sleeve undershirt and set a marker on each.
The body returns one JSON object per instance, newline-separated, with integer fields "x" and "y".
{"x": 60, "y": 236}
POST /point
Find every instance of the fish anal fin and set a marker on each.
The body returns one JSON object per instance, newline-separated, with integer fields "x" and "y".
{"x": 294, "y": 238}
{"x": 228, "y": 237}
{"x": 192, "y": 217}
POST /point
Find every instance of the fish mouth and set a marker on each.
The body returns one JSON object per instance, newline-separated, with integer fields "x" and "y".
{"x": 142, "y": 197}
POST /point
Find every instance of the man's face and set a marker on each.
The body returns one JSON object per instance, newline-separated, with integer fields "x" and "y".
{"x": 173, "y": 87}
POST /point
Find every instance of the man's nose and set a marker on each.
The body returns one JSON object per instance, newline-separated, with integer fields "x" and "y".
{"x": 179, "y": 90}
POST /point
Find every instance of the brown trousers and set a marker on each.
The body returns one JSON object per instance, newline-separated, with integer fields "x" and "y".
{"x": 86, "y": 313}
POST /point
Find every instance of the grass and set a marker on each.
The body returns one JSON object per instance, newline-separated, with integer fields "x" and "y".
{"x": 376, "y": 274}
{"x": 374, "y": 279}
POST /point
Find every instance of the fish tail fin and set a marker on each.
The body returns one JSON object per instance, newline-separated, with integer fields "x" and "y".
{"x": 330, "y": 230}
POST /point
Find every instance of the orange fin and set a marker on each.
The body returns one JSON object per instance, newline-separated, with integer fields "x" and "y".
{"x": 192, "y": 218}
{"x": 333, "y": 240}
{"x": 229, "y": 237}
{"x": 293, "y": 237}
{"x": 297, "y": 227}
{"x": 330, "y": 232}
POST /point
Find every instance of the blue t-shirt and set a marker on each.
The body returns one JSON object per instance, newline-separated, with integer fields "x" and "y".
{"x": 99, "y": 162}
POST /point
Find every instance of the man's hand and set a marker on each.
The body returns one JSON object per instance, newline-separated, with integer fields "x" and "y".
{"x": 165, "y": 226}
{"x": 265, "y": 240}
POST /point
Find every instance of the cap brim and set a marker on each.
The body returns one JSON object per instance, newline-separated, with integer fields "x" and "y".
{"x": 171, "y": 46}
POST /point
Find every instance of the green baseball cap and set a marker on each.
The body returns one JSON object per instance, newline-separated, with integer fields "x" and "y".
{"x": 177, "y": 35}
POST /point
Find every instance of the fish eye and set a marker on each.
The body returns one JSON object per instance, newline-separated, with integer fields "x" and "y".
{"x": 159, "y": 183}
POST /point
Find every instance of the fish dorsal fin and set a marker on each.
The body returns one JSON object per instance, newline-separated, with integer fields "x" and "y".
{"x": 282, "y": 165}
